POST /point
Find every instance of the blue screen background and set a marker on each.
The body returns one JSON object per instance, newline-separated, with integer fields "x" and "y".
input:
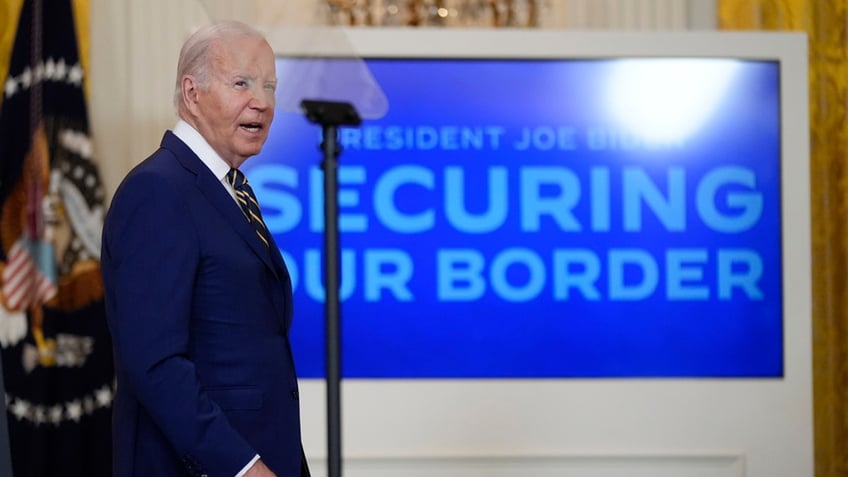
{"x": 501, "y": 308}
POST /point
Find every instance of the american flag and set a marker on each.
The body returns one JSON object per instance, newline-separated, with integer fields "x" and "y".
{"x": 29, "y": 277}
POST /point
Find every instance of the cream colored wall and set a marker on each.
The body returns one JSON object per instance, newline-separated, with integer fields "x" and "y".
{"x": 135, "y": 44}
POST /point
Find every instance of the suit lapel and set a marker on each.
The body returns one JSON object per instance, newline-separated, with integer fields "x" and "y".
{"x": 215, "y": 193}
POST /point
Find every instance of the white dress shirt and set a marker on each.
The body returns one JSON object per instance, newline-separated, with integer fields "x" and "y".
{"x": 187, "y": 134}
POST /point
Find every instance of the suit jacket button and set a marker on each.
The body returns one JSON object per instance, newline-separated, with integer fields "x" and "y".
{"x": 294, "y": 394}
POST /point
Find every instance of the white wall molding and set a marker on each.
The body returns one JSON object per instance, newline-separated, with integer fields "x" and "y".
{"x": 696, "y": 464}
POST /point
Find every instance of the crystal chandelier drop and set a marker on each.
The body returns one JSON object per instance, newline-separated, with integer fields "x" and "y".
{"x": 445, "y": 13}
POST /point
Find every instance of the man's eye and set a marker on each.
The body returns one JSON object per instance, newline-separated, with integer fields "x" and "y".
{"x": 241, "y": 83}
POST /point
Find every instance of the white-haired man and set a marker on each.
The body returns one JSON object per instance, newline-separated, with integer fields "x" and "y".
{"x": 198, "y": 297}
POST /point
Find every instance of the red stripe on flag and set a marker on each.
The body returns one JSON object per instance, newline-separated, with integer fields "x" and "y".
{"x": 23, "y": 282}
{"x": 46, "y": 290}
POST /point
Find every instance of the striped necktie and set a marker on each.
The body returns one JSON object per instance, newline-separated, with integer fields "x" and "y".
{"x": 248, "y": 203}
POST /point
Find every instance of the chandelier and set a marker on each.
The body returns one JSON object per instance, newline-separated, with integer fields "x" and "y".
{"x": 436, "y": 13}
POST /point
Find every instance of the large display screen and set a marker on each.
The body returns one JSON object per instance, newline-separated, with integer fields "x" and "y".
{"x": 572, "y": 218}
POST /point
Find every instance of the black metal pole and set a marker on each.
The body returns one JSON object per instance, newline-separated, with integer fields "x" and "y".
{"x": 332, "y": 306}
{"x": 330, "y": 115}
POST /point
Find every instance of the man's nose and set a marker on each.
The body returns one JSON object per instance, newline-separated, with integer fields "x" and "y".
{"x": 261, "y": 99}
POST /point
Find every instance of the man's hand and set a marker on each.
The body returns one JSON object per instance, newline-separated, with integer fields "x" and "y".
{"x": 259, "y": 469}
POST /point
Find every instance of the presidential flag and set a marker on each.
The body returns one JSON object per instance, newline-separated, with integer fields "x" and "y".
{"x": 56, "y": 351}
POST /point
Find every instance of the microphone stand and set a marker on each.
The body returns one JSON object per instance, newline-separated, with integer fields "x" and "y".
{"x": 331, "y": 115}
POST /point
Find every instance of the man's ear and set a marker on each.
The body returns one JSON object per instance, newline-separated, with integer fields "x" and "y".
{"x": 189, "y": 93}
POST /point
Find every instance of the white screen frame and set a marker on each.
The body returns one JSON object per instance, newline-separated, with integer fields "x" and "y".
{"x": 598, "y": 427}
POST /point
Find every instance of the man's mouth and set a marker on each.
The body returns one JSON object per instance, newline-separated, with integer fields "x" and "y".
{"x": 251, "y": 127}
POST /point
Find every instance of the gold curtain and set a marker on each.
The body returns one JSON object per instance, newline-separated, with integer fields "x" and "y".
{"x": 10, "y": 10}
{"x": 825, "y": 23}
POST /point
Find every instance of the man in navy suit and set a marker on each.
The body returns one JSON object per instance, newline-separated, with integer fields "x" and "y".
{"x": 198, "y": 298}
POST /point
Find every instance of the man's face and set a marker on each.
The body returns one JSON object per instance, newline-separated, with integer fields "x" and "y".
{"x": 235, "y": 108}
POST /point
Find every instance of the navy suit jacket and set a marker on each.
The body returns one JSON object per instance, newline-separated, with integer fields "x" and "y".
{"x": 199, "y": 310}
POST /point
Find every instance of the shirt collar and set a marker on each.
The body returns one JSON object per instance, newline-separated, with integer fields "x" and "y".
{"x": 187, "y": 134}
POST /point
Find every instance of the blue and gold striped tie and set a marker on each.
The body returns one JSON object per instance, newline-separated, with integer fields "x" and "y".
{"x": 248, "y": 203}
